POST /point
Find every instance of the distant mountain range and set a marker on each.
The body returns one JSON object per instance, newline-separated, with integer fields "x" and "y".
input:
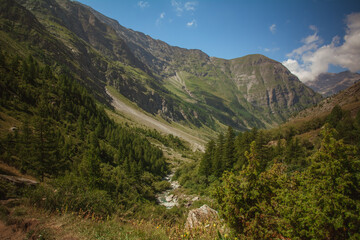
{"x": 329, "y": 84}
{"x": 180, "y": 85}
{"x": 348, "y": 99}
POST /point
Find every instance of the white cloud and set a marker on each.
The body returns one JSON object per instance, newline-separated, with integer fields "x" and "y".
{"x": 272, "y": 28}
{"x": 179, "y": 7}
{"x": 160, "y": 18}
{"x": 192, "y": 23}
{"x": 311, "y": 42}
{"x": 311, "y": 39}
{"x": 143, "y": 4}
{"x": 190, "y": 6}
{"x": 314, "y": 28}
{"x": 271, "y": 49}
{"x": 313, "y": 58}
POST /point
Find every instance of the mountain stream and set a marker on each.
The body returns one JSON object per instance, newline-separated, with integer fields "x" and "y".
{"x": 166, "y": 198}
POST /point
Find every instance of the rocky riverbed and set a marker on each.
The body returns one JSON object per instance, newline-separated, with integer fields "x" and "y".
{"x": 166, "y": 198}
{"x": 171, "y": 197}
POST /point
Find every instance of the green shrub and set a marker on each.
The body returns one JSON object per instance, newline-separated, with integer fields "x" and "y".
{"x": 161, "y": 186}
{"x": 74, "y": 197}
{"x": 7, "y": 190}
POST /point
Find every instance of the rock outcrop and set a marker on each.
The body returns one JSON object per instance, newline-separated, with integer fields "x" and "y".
{"x": 201, "y": 216}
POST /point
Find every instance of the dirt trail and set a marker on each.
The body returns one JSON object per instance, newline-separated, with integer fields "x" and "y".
{"x": 142, "y": 118}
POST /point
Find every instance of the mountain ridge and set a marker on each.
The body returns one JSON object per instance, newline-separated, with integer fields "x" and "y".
{"x": 329, "y": 84}
{"x": 181, "y": 85}
{"x": 347, "y": 99}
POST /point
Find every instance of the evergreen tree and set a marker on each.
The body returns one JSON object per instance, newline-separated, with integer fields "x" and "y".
{"x": 89, "y": 167}
{"x": 294, "y": 152}
{"x": 2, "y": 59}
{"x": 218, "y": 165}
{"x": 206, "y": 163}
{"x": 345, "y": 128}
{"x": 262, "y": 150}
{"x": 46, "y": 145}
{"x": 325, "y": 197}
{"x": 244, "y": 198}
{"x": 335, "y": 116}
{"x": 229, "y": 149}
{"x": 26, "y": 150}
{"x": 242, "y": 144}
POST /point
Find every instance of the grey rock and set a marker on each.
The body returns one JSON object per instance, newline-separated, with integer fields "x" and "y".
{"x": 200, "y": 216}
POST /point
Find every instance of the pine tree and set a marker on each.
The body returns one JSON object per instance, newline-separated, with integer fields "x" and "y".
{"x": 26, "y": 150}
{"x": 326, "y": 196}
{"x": 244, "y": 198}
{"x": 294, "y": 152}
{"x": 262, "y": 150}
{"x": 206, "y": 163}
{"x": 218, "y": 165}
{"x": 229, "y": 149}
{"x": 89, "y": 167}
{"x": 2, "y": 59}
{"x": 335, "y": 116}
{"x": 242, "y": 144}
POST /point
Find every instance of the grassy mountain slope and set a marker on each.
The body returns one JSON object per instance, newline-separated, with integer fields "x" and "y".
{"x": 348, "y": 99}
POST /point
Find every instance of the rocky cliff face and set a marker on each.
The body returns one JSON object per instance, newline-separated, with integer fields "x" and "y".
{"x": 267, "y": 85}
{"x": 329, "y": 84}
{"x": 178, "y": 84}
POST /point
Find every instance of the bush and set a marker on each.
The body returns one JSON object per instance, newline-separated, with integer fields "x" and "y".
{"x": 161, "y": 186}
{"x": 75, "y": 197}
{"x": 7, "y": 190}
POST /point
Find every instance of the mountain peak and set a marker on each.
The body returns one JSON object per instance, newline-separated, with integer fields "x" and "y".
{"x": 255, "y": 57}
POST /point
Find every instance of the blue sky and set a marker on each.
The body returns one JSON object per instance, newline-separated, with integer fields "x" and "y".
{"x": 307, "y": 36}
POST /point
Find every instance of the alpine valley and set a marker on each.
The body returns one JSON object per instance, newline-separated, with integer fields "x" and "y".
{"x": 99, "y": 122}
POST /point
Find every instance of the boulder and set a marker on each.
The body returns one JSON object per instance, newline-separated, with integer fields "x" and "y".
{"x": 200, "y": 216}
{"x": 169, "y": 198}
{"x": 195, "y": 199}
{"x": 188, "y": 204}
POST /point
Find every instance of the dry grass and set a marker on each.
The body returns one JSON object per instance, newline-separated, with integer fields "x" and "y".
{"x": 27, "y": 222}
{"x": 9, "y": 170}
{"x": 6, "y": 123}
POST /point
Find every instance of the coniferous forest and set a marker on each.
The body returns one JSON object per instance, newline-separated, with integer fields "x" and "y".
{"x": 95, "y": 164}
